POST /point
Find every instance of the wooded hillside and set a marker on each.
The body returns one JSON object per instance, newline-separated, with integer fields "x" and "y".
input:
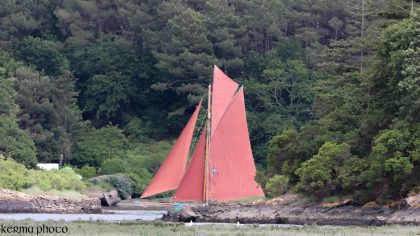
{"x": 331, "y": 86}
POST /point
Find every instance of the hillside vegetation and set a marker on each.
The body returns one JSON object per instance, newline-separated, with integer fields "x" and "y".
{"x": 332, "y": 87}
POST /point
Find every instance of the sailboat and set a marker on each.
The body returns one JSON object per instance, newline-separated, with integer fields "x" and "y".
{"x": 222, "y": 165}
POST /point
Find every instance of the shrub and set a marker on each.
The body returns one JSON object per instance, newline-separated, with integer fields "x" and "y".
{"x": 393, "y": 164}
{"x": 86, "y": 172}
{"x": 64, "y": 179}
{"x": 15, "y": 176}
{"x": 122, "y": 183}
{"x": 277, "y": 185}
{"x": 261, "y": 178}
{"x": 16, "y": 143}
{"x": 318, "y": 175}
{"x": 142, "y": 178}
{"x": 113, "y": 166}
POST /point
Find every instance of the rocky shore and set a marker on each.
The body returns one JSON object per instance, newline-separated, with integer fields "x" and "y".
{"x": 17, "y": 202}
{"x": 289, "y": 211}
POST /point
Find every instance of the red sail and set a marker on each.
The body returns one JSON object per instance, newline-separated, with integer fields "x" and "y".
{"x": 231, "y": 164}
{"x": 191, "y": 187}
{"x": 223, "y": 90}
{"x": 172, "y": 169}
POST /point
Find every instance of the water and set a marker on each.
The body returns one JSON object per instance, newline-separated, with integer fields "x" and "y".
{"x": 114, "y": 216}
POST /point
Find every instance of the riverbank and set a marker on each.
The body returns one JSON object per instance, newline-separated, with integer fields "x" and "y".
{"x": 287, "y": 209}
{"x": 302, "y": 215}
{"x": 18, "y": 202}
{"x": 291, "y": 211}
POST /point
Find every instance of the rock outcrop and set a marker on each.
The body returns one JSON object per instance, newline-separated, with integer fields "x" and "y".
{"x": 17, "y": 202}
{"x": 413, "y": 201}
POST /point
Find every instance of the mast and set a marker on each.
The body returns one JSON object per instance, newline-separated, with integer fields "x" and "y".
{"x": 207, "y": 154}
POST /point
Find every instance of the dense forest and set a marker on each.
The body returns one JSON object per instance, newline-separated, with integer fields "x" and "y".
{"x": 332, "y": 87}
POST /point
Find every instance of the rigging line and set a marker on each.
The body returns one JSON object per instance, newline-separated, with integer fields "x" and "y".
{"x": 195, "y": 139}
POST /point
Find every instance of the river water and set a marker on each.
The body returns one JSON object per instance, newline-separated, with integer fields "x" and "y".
{"x": 108, "y": 216}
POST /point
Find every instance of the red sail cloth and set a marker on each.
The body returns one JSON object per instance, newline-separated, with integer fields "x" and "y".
{"x": 172, "y": 169}
{"x": 223, "y": 90}
{"x": 191, "y": 187}
{"x": 231, "y": 164}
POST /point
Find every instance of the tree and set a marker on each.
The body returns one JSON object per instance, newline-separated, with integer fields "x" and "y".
{"x": 108, "y": 80}
{"x": 113, "y": 166}
{"x": 284, "y": 155}
{"x": 224, "y": 27}
{"x": 47, "y": 112}
{"x": 45, "y": 55}
{"x": 290, "y": 85}
{"x": 14, "y": 142}
{"x": 398, "y": 72}
{"x": 98, "y": 145}
{"x": 392, "y": 164}
{"x": 186, "y": 51}
{"x": 318, "y": 175}
{"x": 336, "y": 24}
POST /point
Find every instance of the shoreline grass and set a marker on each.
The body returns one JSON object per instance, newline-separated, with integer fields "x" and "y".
{"x": 164, "y": 228}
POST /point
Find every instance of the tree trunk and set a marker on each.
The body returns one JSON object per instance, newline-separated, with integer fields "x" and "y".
{"x": 362, "y": 36}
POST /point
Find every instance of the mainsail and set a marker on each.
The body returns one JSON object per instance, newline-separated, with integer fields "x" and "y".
{"x": 231, "y": 164}
{"x": 172, "y": 169}
{"x": 222, "y": 166}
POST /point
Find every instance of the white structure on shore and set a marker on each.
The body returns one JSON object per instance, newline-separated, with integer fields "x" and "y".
{"x": 48, "y": 166}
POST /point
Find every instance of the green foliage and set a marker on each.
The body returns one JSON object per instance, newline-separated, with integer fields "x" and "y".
{"x": 86, "y": 171}
{"x": 319, "y": 174}
{"x": 393, "y": 163}
{"x": 48, "y": 112}
{"x": 113, "y": 166}
{"x": 45, "y": 55}
{"x": 289, "y": 86}
{"x": 140, "y": 164}
{"x": 15, "y": 176}
{"x": 142, "y": 178}
{"x": 14, "y": 142}
{"x": 276, "y": 185}
{"x": 98, "y": 145}
{"x": 122, "y": 183}
{"x": 149, "y": 155}
{"x": 309, "y": 68}
{"x": 64, "y": 179}
{"x": 399, "y": 72}
{"x": 284, "y": 155}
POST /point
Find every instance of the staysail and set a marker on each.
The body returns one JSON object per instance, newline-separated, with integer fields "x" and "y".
{"x": 231, "y": 168}
{"x": 191, "y": 186}
{"x": 172, "y": 169}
